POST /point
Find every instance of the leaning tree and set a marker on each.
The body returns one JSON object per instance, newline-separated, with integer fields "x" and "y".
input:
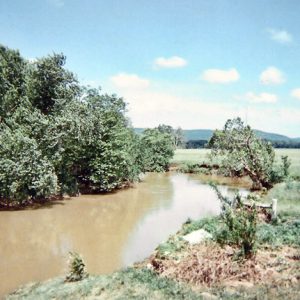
{"x": 241, "y": 152}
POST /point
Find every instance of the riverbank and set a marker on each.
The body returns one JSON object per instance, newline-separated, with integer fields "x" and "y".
{"x": 177, "y": 270}
{"x": 181, "y": 271}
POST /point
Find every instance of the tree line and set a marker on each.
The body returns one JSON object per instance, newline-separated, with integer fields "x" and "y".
{"x": 200, "y": 144}
{"x": 57, "y": 136}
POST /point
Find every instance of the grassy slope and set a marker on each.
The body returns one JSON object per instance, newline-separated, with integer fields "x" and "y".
{"x": 294, "y": 156}
{"x": 128, "y": 284}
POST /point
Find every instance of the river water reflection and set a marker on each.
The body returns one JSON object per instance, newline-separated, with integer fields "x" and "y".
{"x": 110, "y": 231}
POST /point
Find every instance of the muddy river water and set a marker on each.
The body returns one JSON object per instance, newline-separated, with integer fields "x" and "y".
{"x": 109, "y": 231}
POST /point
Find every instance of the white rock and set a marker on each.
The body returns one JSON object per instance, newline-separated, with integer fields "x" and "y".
{"x": 149, "y": 266}
{"x": 208, "y": 296}
{"x": 197, "y": 236}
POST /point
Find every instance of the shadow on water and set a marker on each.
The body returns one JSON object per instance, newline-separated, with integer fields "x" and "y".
{"x": 110, "y": 231}
{"x": 35, "y": 205}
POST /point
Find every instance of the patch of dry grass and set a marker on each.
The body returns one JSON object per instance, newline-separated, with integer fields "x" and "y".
{"x": 208, "y": 264}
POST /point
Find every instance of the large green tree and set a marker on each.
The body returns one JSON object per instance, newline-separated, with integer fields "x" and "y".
{"x": 12, "y": 81}
{"x": 157, "y": 148}
{"x": 57, "y": 137}
{"x": 241, "y": 152}
{"x": 48, "y": 81}
{"x": 176, "y": 134}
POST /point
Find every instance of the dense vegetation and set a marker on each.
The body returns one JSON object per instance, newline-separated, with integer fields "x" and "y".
{"x": 241, "y": 153}
{"x": 58, "y": 137}
{"x": 157, "y": 149}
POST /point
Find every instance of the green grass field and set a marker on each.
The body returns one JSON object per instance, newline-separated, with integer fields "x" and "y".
{"x": 200, "y": 155}
{"x": 190, "y": 156}
{"x": 294, "y": 156}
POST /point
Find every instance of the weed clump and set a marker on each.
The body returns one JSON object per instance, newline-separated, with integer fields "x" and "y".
{"x": 195, "y": 168}
{"x": 77, "y": 270}
{"x": 239, "y": 229}
{"x": 239, "y": 224}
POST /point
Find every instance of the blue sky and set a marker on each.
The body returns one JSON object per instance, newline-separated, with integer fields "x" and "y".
{"x": 186, "y": 63}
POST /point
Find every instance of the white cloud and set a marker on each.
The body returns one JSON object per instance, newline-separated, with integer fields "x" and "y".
{"x": 261, "y": 98}
{"x": 277, "y": 120}
{"x": 271, "y": 76}
{"x": 129, "y": 81}
{"x": 296, "y": 93}
{"x": 280, "y": 36}
{"x": 171, "y": 62}
{"x": 149, "y": 107}
{"x": 57, "y": 3}
{"x": 220, "y": 76}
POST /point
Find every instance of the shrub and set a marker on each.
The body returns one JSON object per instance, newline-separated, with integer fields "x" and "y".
{"x": 157, "y": 149}
{"x": 239, "y": 229}
{"x": 239, "y": 224}
{"x": 281, "y": 172}
{"x": 77, "y": 268}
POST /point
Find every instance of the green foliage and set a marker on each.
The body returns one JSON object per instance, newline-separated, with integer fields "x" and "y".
{"x": 281, "y": 172}
{"x": 285, "y": 233}
{"x": 48, "y": 81}
{"x": 58, "y": 137}
{"x": 25, "y": 173}
{"x": 77, "y": 268}
{"x": 12, "y": 81}
{"x": 241, "y": 153}
{"x": 170, "y": 247}
{"x": 157, "y": 149}
{"x": 112, "y": 148}
{"x": 239, "y": 229}
{"x": 190, "y": 168}
{"x": 239, "y": 224}
{"x": 177, "y": 135}
{"x": 195, "y": 168}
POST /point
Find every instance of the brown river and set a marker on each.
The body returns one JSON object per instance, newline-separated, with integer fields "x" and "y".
{"x": 110, "y": 231}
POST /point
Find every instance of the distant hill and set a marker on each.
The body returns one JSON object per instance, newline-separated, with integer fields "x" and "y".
{"x": 139, "y": 130}
{"x": 272, "y": 136}
{"x": 205, "y": 134}
{"x": 197, "y": 134}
